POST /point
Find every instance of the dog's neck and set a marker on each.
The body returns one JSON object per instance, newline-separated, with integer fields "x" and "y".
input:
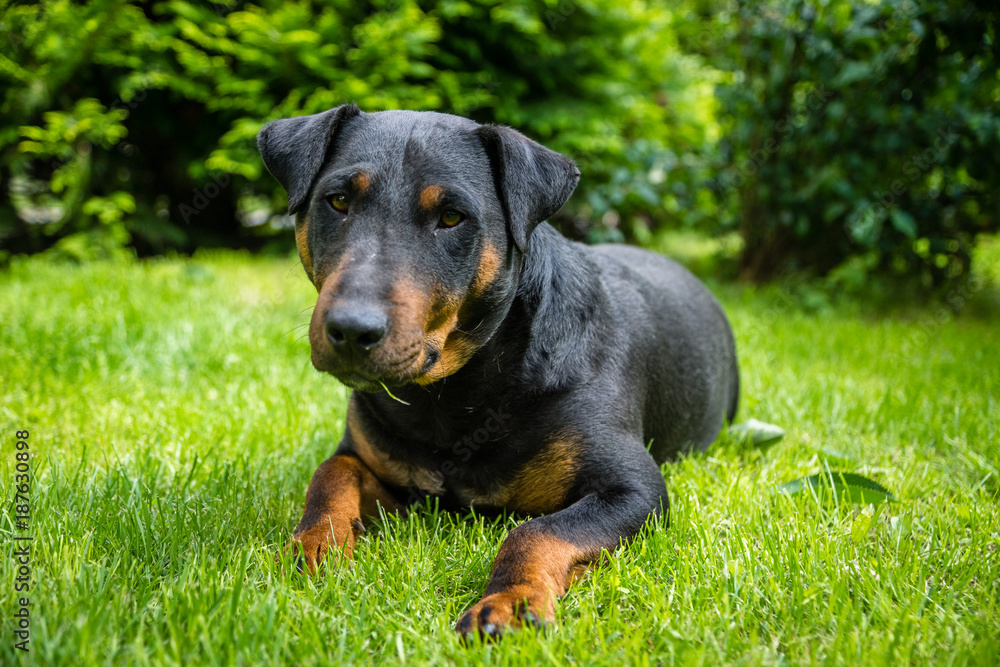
{"x": 538, "y": 349}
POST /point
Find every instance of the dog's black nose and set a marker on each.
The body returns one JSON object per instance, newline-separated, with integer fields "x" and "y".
{"x": 355, "y": 327}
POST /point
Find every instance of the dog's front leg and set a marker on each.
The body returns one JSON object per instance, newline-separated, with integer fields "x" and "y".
{"x": 342, "y": 491}
{"x": 541, "y": 558}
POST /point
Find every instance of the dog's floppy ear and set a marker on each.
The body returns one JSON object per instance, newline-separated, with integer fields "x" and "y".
{"x": 532, "y": 181}
{"x": 294, "y": 149}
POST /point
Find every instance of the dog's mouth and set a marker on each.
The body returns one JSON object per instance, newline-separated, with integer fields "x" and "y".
{"x": 359, "y": 381}
{"x": 372, "y": 377}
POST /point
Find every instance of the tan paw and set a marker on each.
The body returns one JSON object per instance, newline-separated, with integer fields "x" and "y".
{"x": 310, "y": 547}
{"x": 498, "y": 612}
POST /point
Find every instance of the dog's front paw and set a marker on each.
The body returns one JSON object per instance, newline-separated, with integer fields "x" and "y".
{"x": 310, "y": 546}
{"x": 511, "y": 608}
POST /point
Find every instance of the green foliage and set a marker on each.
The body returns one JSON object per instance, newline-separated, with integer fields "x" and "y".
{"x": 844, "y": 138}
{"x": 163, "y": 100}
{"x": 87, "y": 225}
{"x": 57, "y": 185}
{"x": 850, "y": 486}
{"x": 756, "y": 434}
{"x": 856, "y": 129}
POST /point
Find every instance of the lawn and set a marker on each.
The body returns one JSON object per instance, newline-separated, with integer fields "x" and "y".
{"x": 175, "y": 421}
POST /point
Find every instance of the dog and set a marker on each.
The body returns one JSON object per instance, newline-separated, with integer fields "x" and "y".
{"x": 494, "y": 363}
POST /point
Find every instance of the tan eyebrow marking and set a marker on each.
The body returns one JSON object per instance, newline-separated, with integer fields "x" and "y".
{"x": 361, "y": 181}
{"x": 430, "y": 196}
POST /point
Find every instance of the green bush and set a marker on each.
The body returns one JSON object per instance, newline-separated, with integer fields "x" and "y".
{"x": 855, "y": 129}
{"x": 842, "y": 137}
{"x": 135, "y": 122}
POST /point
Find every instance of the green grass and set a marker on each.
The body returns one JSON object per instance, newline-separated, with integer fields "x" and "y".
{"x": 176, "y": 420}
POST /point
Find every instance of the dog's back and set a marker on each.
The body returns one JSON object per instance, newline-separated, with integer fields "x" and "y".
{"x": 686, "y": 357}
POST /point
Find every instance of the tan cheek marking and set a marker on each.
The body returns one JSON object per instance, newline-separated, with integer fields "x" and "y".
{"x": 302, "y": 242}
{"x": 409, "y": 316}
{"x": 430, "y": 196}
{"x": 362, "y": 181}
{"x": 456, "y": 353}
{"x": 455, "y": 349}
{"x": 436, "y": 321}
{"x": 489, "y": 266}
{"x": 327, "y": 288}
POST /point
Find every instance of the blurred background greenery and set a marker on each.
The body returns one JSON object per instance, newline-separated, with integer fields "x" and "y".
{"x": 853, "y": 141}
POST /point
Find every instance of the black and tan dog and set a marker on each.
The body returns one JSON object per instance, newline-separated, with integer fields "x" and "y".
{"x": 528, "y": 373}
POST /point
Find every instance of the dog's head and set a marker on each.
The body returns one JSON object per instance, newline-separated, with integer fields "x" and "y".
{"x": 412, "y": 227}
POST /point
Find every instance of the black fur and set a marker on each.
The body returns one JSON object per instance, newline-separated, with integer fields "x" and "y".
{"x": 533, "y": 181}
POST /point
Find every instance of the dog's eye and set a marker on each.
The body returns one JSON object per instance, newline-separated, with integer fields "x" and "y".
{"x": 450, "y": 219}
{"x": 339, "y": 203}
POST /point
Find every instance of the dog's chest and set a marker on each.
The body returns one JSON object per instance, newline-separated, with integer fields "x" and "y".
{"x": 540, "y": 485}
{"x": 465, "y": 483}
